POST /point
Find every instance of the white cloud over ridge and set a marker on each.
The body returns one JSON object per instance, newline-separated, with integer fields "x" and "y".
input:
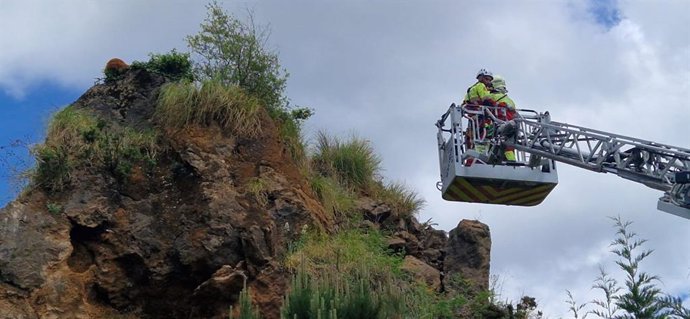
{"x": 387, "y": 70}
{"x": 68, "y": 43}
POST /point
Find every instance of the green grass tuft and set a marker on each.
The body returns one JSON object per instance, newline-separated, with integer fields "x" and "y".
{"x": 403, "y": 202}
{"x": 345, "y": 252}
{"x": 335, "y": 198}
{"x": 353, "y": 163}
{"x": 257, "y": 188}
{"x": 77, "y": 140}
{"x": 246, "y": 308}
{"x": 183, "y": 103}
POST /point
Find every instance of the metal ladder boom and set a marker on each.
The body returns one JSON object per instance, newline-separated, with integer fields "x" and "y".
{"x": 653, "y": 164}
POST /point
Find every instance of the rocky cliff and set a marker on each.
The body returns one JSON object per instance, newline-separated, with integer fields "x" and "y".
{"x": 181, "y": 238}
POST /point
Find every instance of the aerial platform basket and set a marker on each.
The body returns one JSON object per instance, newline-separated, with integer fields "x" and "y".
{"x": 472, "y": 174}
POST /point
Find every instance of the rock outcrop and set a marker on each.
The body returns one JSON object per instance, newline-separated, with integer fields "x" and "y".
{"x": 182, "y": 239}
{"x": 468, "y": 255}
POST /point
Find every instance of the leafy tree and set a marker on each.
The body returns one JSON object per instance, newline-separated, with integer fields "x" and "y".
{"x": 235, "y": 52}
{"x": 574, "y": 308}
{"x": 639, "y": 297}
{"x": 607, "y": 307}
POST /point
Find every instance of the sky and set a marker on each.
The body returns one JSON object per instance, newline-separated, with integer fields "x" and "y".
{"x": 386, "y": 70}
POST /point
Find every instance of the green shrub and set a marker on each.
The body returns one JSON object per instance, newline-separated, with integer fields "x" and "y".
{"x": 120, "y": 149}
{"x": 345, "y": 253}
{"x": 402, "y": 201}
{"x": 112, "y": 74}
{"x": 54, "y": 208}
{"x": 640, "y": 296}
{"x": 353, "y": 163}
{"x": 53, "y": 169}
{"x": 181, "y": 104}
{"x": 344, "y": 168}
{"x": 290, "y": 128}
{"x": 173, "y": 65}
{"x": 246, "y": 309}
{"x": 234, "y": 52}
{"x": 335, "y": 198}
{"x": 56, "y": 158}
{"x": 354, "y": 275}
{"x": 77, "y": 140}
{"x": 336, "y": 295}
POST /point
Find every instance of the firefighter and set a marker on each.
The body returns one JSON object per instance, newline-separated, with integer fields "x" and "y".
{"x": 505, "y": 108}
{"x": 478, "y": 94}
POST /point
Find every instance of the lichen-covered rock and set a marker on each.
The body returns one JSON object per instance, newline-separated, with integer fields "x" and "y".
{"x": 468, "y": 253}
{"x": 422, "y": 272}
{"x": 31, "y": 240}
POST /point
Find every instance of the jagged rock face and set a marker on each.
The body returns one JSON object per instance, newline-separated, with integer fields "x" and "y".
{"x": 181, "y": 240}
{"x": 166, "y": 244}
{"x": 431, "y": 256}
{"x": 468, "y": 253}
{"x": 422, "y": 272}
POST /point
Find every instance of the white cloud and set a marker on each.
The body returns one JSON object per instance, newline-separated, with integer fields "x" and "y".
{"x": 388, "y": 69}
{"x": 69, "y": 43}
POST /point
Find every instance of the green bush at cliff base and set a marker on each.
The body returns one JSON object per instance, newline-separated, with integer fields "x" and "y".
{"x": 345, "y": 253}
{"x": 347, "y": 275}
{"x": 332, "y": 297}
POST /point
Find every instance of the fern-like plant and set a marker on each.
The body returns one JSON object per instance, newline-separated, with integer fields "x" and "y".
{"x": 246, "y": 309}
{"x": 641, "y": 296}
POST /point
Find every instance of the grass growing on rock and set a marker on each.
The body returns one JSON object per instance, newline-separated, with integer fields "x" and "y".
{"x": 335, "y": 198}
{"x": 345, "y": 169}
{"x": 77, "y": 139}
{"x": 403, "y": 201}
{"x": 354, "y": 275}
{"x": 345, "y": 252}
{"x": 184, "y": 103}
{"x": 352, "y": 163}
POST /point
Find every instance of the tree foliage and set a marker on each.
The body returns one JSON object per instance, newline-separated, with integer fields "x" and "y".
{"x": 235, "y": 52}
{"x": 173, "y": 65}
{"x": 640, "y": 296}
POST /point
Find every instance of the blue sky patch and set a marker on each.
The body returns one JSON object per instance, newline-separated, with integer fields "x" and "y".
{"x": 605, "y": 12}
{"x": 23, "y": 124}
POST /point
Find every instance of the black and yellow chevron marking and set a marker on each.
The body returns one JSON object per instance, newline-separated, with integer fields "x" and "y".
{"x": 490, "y": 192}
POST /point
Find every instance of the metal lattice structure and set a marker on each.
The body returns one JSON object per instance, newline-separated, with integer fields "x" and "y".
{"x": 536, "y": 138}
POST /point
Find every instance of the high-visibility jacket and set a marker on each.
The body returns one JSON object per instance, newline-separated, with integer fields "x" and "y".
{"x": 506, "y": 111}
{"x": 477, "y": 93}
{"x": 502, "y": 100}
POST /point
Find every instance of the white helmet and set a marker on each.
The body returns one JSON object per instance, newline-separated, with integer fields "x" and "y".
{"x": 485, "y": 73}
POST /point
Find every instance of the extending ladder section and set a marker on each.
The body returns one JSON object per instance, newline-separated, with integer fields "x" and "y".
{"x": 659, "y": 166}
